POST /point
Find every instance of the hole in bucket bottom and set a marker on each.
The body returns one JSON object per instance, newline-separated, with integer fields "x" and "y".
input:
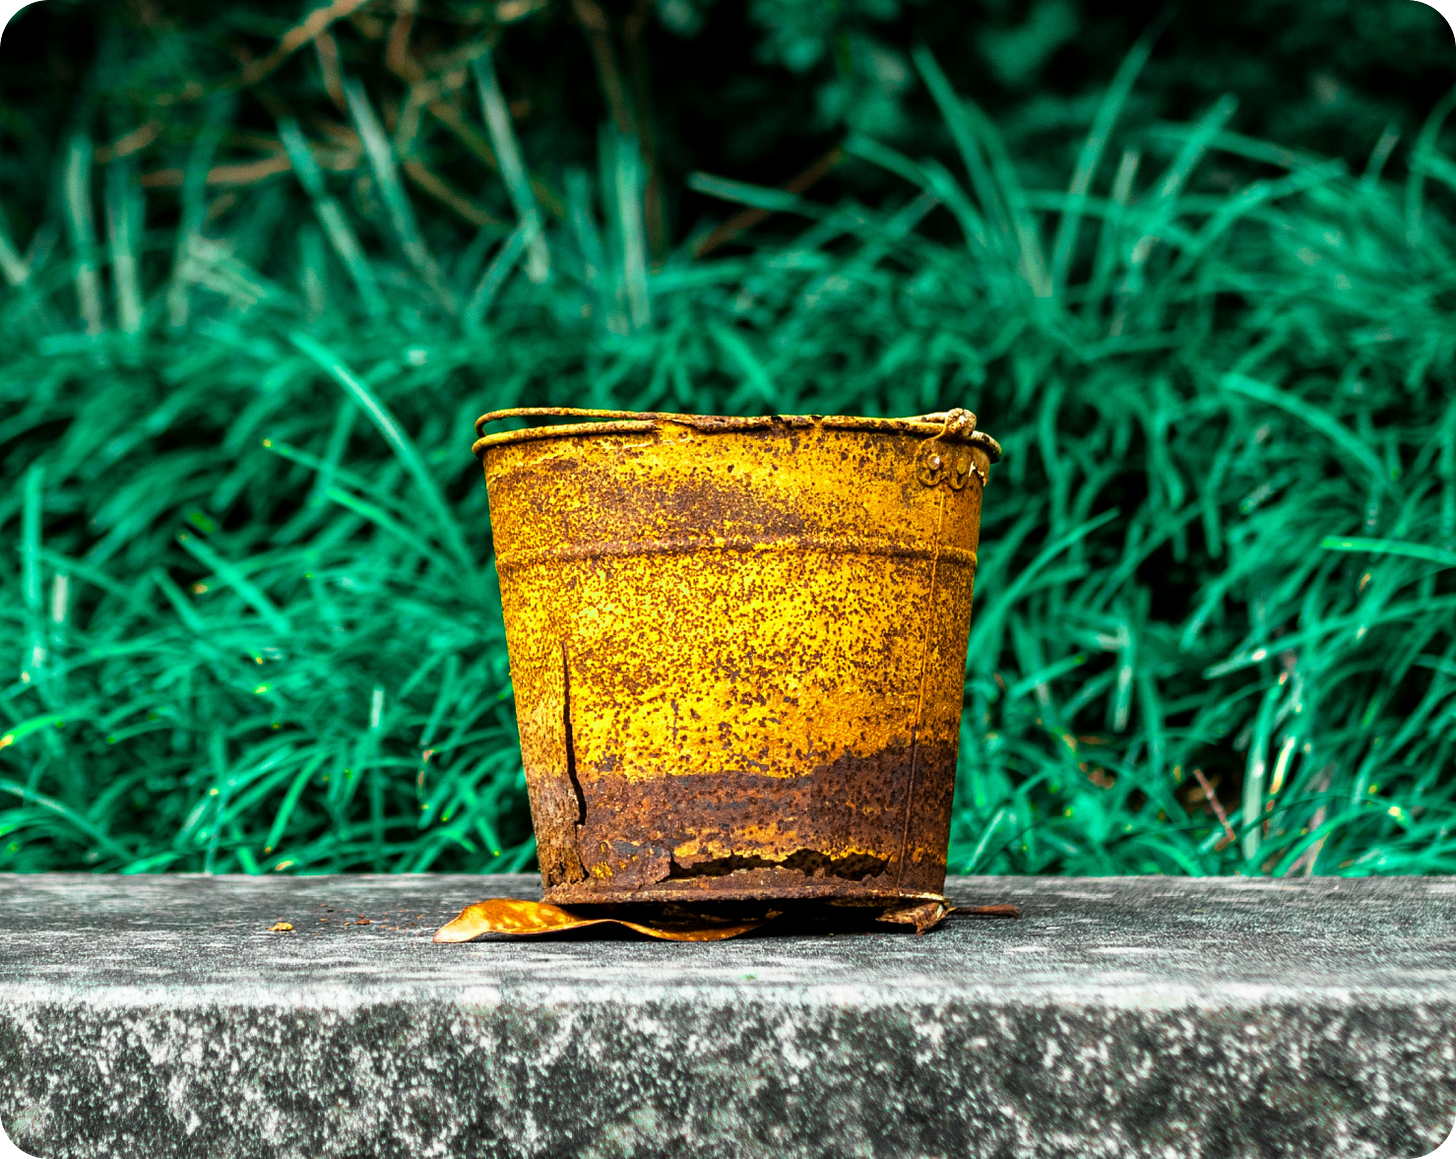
{"x": 809, "y": 862}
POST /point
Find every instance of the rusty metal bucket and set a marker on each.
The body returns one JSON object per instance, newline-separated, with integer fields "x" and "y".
{"x": 738, "y": 647}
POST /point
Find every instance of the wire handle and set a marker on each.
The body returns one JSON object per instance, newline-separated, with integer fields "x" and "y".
{"x": 951, "y": 459}
{"x": 643, "y": 419}
{"x": 957, "y": 421}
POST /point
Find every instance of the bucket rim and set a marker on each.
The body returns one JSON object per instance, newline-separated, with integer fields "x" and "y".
{"x": 608, "y": 422}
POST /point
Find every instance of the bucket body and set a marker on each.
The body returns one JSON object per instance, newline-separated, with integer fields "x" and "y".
{"x": 738, "y": 649}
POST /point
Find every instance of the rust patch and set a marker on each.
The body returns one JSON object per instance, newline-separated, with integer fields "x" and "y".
{"x": 538, "y": 679}
{"x": 824, "y": 834}
{"x": 810, "y": 862}
{"x": 627, "y": 865}
{"x": 925, "y": 915}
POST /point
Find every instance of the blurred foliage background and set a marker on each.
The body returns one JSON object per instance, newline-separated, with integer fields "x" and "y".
{"x": 263, "y": 265}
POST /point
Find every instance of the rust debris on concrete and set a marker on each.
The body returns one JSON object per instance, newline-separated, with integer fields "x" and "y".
{"x": 505, "y": 915}
{"x": 668, "y": 921}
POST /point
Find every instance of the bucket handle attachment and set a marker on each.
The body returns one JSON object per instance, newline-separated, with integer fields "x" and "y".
{"x": 938, "y": 460}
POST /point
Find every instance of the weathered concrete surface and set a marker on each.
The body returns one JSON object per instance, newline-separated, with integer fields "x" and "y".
{"x": 145, "y": 1018}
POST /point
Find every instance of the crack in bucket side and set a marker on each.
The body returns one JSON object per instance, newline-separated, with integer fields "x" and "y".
{"x": 570, "y": 740}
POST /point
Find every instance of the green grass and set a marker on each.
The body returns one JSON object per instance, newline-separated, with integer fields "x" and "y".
{"x": 252, "y": 623}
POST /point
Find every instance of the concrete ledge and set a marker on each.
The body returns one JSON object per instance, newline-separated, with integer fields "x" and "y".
{"x": 157, "y": 1017}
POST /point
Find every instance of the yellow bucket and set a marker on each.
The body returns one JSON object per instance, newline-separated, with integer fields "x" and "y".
{"x": 738, "y": 647}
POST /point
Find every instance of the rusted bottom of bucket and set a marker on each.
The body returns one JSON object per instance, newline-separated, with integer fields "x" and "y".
{"x": 762, "y": 884}
{"x": 859, "y": 827}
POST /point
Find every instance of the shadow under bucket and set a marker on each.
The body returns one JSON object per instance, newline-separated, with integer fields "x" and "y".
{"x": 738, "y": 647}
